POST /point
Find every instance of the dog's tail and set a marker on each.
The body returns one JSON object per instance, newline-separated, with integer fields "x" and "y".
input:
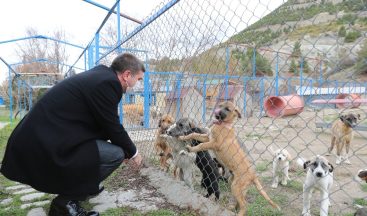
{"x": 264, "y": 194}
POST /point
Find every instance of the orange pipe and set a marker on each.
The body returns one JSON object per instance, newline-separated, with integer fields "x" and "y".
{"x": 279, "y": 106}
{"x": 350, "y": 103}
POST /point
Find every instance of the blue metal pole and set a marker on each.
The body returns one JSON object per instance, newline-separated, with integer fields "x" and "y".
{"x": 85, "y": 61}
{"x": 146, "y": 99}
{"x": 178, "y": 107}
{"x": 164, "y": 9}
{"x": 320, "y": 78}
{"x": 301, "y": 76}
{"x": 254, "y": 63}
{"x": 10, "y": 90}
{"x": 204, "y": 101}
{"x": 262, "y": 95}
{"x": 277, "y": 75}
{"x": 226, "y": 77}
{"x": 119, "y": 51}
{"x": 30, "y": 99}
{"x": 41, "y": 37}
{"x": 147, "y": 87}
{"x": 97, "y": 49}
{"x": 245, "y": 95}
{"x": 18, "y": 96}
{"x": 90, "y": 57}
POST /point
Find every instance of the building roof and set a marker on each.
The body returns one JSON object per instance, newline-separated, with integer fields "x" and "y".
{"x": 180, "y": 93}
{"x": 233, "y": 90}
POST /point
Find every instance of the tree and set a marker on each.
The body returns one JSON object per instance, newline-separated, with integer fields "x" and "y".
{"x": 342, "y": 31}
{"x": 293, "y": 67}
{"x": 297, "y": 59}
{"x": 245, "y": 62}
{"x": 38, "y": 56}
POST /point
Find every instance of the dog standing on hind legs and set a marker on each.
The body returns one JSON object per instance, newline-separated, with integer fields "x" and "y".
{"x": 222, "y": 140}
{"x": 161, "y": 146}
{"x": 342, "y": 135}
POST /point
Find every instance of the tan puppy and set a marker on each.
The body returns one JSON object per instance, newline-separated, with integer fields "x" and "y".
{"x": 342, "y": 134}
{"x": 161, "y": 147}
{"x": 222, "y": 140}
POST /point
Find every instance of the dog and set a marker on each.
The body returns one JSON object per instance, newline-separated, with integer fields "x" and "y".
{"x": 135, "y": 113}
{"x": 281, "y": 160}
{"x": 222, "y": 140}
{"x": 182, "y": 159}
{"x": 342, "y": 134}
{"x": 203, "y": 160}
{"x": 161, "y": 146}
{"x": 362, "y": 175}
{"x": 319, "y": 176}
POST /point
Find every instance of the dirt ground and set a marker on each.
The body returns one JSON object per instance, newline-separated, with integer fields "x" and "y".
{"x": 299, "y": 135}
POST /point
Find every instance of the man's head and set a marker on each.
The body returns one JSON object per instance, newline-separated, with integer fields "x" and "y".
{"x": 129, "y": 70}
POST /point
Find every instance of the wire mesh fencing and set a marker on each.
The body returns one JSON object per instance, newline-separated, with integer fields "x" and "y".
{"x": 294, "y": 71}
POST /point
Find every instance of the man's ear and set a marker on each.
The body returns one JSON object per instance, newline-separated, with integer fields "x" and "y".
{"x": 331, "y": 169}
{"x": 306, "y": 164}
{"x": 238, "y": 113}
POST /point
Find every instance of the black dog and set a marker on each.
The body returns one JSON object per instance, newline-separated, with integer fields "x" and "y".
{"x": 207, "y": 166}
{"x": 203, "y": 160}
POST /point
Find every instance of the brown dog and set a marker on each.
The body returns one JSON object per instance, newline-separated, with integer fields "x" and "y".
{"x": 222, "y": 140}
{"x": 162, "y": 148}
{"x": 342, "y": 134}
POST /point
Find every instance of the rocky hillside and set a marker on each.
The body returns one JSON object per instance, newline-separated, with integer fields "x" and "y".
{"x": 331, "y": 30}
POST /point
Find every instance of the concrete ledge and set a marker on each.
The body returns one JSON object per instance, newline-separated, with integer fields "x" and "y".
{"x": 179, "y": 194}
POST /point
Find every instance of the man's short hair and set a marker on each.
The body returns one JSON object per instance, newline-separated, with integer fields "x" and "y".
{"x": 127, "y": 61}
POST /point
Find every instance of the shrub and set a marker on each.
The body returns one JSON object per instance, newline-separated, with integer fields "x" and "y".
{"x": 342, "y": 32}
{"x": 352, "y": 36}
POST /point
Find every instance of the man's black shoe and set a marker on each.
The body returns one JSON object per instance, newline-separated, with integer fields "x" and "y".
{"x": 71, "y": 208}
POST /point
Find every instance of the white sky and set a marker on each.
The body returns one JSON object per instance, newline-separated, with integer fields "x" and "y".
{"x": 79, "y": 19}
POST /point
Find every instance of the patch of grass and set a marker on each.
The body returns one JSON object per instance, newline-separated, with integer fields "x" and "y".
{"x": 314, "y": 30}
{"x": 13, "y": 210}
{"x": 348, "y": 214}
{"x": 352, "y": 36}
{"x": 295, "y": 185}
{"x": 224, "y": 186}
{"x": 360, "y": 201}
{"x": 262, "y": 166}
{"x": 166, "y": 212}
{"x": 364, "y": 187}
{"x": 259, "y": 206}
{"x": 120, "y": 211}
{"x": 4, "y": 182}
{"x": 4, "y": 136}
{"x": 133, "y": 212}
{"x": 109, "y": 182}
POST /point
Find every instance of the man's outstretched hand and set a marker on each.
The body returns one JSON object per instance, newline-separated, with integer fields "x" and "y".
{"x": 135, "y": 162}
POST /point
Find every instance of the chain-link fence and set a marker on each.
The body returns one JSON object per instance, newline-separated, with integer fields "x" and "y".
{"x": 292, "y": 68}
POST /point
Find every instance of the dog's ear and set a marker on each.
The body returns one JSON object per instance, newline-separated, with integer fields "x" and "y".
{"x": 192, "y": 124}
{"x": 305, "y": 165}
{"x": 289, "y": 157}
{"x": 331, "y": 169}
{"x": 238, "y": 113}
{"x": 359, "y": 116}
{"x": 159, "y": 122}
